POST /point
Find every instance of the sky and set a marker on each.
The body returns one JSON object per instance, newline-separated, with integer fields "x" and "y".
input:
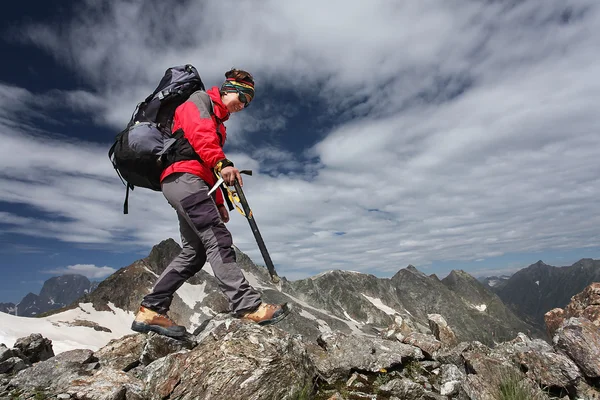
{"x": 443, "y": 134}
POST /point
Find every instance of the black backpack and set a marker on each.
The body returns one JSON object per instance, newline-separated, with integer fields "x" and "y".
{"x": 146, "y": 146}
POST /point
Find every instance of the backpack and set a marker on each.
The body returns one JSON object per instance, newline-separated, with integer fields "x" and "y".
{"x": 146, "y": 146}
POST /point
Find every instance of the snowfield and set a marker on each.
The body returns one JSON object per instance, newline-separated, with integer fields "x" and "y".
{"x": 65, "y": 337}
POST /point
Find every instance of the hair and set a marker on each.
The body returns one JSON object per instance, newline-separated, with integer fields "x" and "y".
{"x": 239, "y": 74}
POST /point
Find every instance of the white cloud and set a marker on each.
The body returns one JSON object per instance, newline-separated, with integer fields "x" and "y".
{"x": 88, "y": 270}
{"x": 471, "y": 128}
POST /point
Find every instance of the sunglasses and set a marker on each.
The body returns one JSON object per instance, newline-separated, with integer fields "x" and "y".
{"x": 244, "y": 99}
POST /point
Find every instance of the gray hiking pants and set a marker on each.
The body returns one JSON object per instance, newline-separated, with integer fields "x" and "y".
{"x": 204, "y": 237}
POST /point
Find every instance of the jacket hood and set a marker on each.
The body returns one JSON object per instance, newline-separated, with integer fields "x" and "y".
{"x": 219, "y": 108}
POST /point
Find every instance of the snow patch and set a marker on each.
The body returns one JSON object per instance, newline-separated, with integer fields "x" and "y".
{"x": 191, "y": 294}
{"x": 64, "y": 337}
{"x": 493, "y": 282}
{"x": 255, "y": 281}
{"x": 379, "y": 304}
{"x": 481, "y": 307}
{"x": 208, "y": 269}
{"x": 537, "y": 283}
{"x": 353, "y": 326}
{"x": 149, "y": 270}
{"x": 322, "y": 325}
{"x": 321, "y": 274}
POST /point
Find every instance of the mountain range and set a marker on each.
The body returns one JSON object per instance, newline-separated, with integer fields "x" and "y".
{"x": 350, "y": 302}
{"x": 56, "y": 293}
{"x": 487, "y": 310}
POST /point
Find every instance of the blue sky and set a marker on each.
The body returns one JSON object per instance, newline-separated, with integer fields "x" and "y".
{"x": 440, "y": 134}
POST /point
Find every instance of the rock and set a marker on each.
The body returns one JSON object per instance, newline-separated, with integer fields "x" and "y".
{"x": 450, "y": 378}
{"x": 403, "y": 388}
{"x": 357, "y": 380}
{"x": 585, "y": 391}
{"x": 237, "y": 360}
{"x": 158, "y": 346}
{"x": 554, "y": 319}
{"x": 583, "y": 305}
{"x": 427, "y": 343}
{"x": 63, "y": 396}
{"x": 454, "y": 355}
{"x": 5, "y": 353}
{"x": 580, "y": 340}
{"x": 541, "y": 363}
{"x": 440, "y": 329}
{"x": 56, "y": 372}
{"x": 340, "y": 353}
{"x": 13, "y": 365}
{"x": 35, "y": 347}
{"x": 549, "y": 369}
{"x": 106, "y": 384}
{"x": 401, "y": 327}
{"x": 122, "y": 354}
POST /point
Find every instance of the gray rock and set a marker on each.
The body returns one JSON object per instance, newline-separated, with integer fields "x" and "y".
{"x": 427, "y": 343}
{"x": 236, "y": 361}
{"x": 56, "y": 372}
{"x": 543, "y": 365}
{"x": 340, "y": 353}
{"x": 63, "y": 396}
{"x": 158, "y": 346}
{"x": 450, "y": 378}
{"x": 5, "y": 353}
{"x": 403, "y": 388}
{"x": 549, "y": 369}
{"x": 122, "y": 354}
{"x": 35, "y": 347}
{"x": 454, "y": 355}
{"x": 106, "y": 384}
{"x": 580, "y": 340}
{"x": 13, "y": 365}
{"x": 440, "y": 329}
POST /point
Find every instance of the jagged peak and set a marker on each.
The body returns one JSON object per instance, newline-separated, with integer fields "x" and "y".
{"x": 335, "y": 271}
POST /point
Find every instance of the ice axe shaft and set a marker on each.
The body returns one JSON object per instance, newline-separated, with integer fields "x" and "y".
{"x": 259, "y": 240}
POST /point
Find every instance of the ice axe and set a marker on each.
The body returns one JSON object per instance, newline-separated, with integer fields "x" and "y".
{"x": 239, "y": 197}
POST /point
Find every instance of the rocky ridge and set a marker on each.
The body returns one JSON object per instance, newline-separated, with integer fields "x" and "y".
{"x": 345, "y": 301}
{"x": 228, "y": 358}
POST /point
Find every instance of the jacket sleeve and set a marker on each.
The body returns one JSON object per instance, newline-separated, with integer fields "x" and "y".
{"x": 200, "y": 128}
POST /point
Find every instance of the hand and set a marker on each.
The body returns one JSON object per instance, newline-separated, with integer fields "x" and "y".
{"x": 223, "y": 212}
{"x": 230, "y": 174}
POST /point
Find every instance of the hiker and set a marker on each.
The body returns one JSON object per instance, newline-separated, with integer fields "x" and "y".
{"x": 202, "y": 217}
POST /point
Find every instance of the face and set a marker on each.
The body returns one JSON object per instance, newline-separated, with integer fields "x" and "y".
{"x": 232, "y": 102}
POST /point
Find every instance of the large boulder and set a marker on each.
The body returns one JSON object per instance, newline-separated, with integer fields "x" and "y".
{"x": 583, "y": 305}
{"x": 35, "y": 347}
{"x": 56, "y": 372}
{"x": 440, "y": 329}
{"x": 579, "y": 338}
{"x": 237, "y": 360}
{"x": 340, "y": 353}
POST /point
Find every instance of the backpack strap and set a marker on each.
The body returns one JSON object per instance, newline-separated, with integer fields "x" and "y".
{"x": 208, "y": 103}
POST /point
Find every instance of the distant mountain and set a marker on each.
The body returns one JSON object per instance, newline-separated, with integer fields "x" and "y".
{"x": 56, "y": 293}
{"x": 495, "y": 283}
{"x": 8, "y": 308}
{"x": 534, "y": 290}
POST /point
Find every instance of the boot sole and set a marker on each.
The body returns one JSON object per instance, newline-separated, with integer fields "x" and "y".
{"x": 286, "y": 311}
{"x": 145, "y": 328}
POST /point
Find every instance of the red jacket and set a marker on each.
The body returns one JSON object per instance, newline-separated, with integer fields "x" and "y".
{"x": 200, "y": 128}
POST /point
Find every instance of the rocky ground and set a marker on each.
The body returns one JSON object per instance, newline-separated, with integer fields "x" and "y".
{"x": 231, "y": 359}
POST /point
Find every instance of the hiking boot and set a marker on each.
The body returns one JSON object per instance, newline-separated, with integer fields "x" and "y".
{"x": 147, "y": 320}
{"x": 267, "y": 314}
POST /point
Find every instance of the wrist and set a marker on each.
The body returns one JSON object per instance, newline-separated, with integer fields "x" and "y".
{"x": 224, "y": 163}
